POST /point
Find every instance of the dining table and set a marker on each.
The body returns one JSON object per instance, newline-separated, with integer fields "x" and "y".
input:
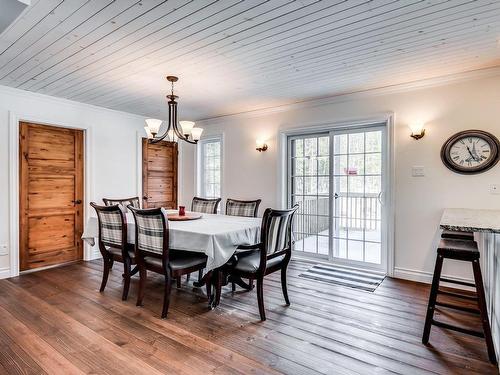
{"x": 217, "y": 236}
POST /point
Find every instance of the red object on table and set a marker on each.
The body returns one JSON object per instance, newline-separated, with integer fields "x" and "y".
{"x": 182, "y": 210}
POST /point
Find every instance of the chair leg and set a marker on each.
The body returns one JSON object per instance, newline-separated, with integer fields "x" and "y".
{"x": 200, "y": 275}
{"x": 126, "y": 280}
{"x": 179, "y": 282}
{"x": 209, "y": 288}
{"x": 134, "y": 270}
{"x": 105, "y": 273}
{"x": 188, "y": 277}
{"x": 112, "y": 261}
{"x": 250, "y": 283}
{"x": 432, "y": 299}
{"x": 260, "y": 298}
{"x": 481, "y": 301}
{"x": 142, "y": 285}
{"x": 166, "y": 297}
{"x": 218, "y": 287}
{"x": 233, "y": 286}
{"x": 284, "y": 286}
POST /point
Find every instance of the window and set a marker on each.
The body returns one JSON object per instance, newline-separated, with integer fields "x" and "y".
{"x": 210, "y": 167}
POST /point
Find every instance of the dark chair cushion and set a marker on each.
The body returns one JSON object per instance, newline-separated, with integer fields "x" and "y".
{"x": 118, "y": 252}
{"x": 458, "y": 249}
{"x": 249, "y": 263}
{"x": 457, "y": 235}
{"x": 180, "y": 260}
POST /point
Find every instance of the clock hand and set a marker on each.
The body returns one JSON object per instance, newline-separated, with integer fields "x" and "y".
{"x": 470, "y": 153}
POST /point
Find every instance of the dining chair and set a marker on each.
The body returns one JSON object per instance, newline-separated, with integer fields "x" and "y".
{"x": 124, "y": 202}
{"x": 272, "y": 254}
{"x": 153, "y": 253}
{"x": 205, "y": 205}
{"x": 113, "y": 243}
{"x": 235, "y": 207}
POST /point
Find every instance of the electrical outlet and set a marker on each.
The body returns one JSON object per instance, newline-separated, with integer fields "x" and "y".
{"x": 3, "y": 250}
{"x": 417, "y": 171}
{"x": 495, "y": 189}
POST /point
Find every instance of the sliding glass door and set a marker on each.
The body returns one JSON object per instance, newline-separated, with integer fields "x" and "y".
{"x": 338, "y": 179}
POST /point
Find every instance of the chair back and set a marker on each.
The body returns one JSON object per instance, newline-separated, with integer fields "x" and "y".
{"x": 112, "y": 226}
{"x": 235, "y": 207}
{"x": 205, "y": 205}
{"x": 124, "y": 202}
{"x": 276, "y": 232}
{"x": 151, "y": 233}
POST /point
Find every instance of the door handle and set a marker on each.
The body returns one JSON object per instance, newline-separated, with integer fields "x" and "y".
{"x": 78, "y": 201}
{"x": 145, "y": 197}
{"x": 336, "y": 196}
{"x": 379, "y": 197}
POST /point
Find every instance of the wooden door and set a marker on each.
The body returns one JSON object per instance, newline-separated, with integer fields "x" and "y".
{"x": 51, "y": 195}
{"x": 159, "y": 174}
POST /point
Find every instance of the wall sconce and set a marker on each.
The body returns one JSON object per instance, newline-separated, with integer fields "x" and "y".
{"x": 417, "y": 130}
{"x": 260, "y": 145}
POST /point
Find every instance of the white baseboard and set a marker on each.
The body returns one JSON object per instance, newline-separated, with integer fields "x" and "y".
{"x": 4, "y": 273}
{"x": 422, "y": 276}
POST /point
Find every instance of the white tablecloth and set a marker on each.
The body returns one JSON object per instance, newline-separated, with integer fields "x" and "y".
{"x": 217, "y": 236}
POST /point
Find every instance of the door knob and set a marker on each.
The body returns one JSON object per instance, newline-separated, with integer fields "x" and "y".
{"x": 78, "y": 201}
{"x": 145, "y": 197}
{"x": 336, "y": 196}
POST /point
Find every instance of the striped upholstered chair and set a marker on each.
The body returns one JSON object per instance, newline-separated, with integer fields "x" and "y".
{"x": 205, "y": 205}
{"x": 272, "y": 254}
{"x": 153, "y": 253}
{"x": 113, "y": 243}
{"x": 124, "y": 202}
{"x": 235, "y": 207}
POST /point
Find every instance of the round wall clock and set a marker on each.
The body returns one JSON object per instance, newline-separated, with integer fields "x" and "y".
{"x": 470, "y": 152}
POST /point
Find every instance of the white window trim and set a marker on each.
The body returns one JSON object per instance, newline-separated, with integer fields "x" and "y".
{"x": 388, "y": 119}
{"x": 198, "y": 181}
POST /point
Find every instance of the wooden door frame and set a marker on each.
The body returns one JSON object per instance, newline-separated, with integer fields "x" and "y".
{"x": 88, "y": 176}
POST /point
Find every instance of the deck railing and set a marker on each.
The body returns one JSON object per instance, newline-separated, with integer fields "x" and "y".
{"x": 353, "y": 212}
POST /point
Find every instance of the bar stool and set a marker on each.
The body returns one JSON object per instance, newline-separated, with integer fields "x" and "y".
{"x": 464, "y": 251}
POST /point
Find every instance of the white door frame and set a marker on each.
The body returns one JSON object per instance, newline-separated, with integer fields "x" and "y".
{"x": 88, "y": 188}
{"x": 385, "y": 118}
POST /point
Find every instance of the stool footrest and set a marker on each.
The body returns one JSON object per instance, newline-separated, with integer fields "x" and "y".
{"x": 444, "y": 279}
{"x": 458, "y": 329}
{"x": 461, "y": 308}
{"x": 457, "y": 295}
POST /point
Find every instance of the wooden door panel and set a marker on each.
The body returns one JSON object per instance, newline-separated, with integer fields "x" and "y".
{"x": 50, "y": 233}
{"x": 51, "y": 185}
{"x": 159, "y": 172}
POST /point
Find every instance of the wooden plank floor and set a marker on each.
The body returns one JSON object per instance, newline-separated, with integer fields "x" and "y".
{"x": 55, "y": 321}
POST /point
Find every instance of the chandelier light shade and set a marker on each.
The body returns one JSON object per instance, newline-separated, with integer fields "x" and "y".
{"x": 183, "y": 130}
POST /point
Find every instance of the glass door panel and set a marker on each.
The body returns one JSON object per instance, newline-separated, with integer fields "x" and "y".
{"x": 310, "y": 188}
{"x": 357, "y": 190}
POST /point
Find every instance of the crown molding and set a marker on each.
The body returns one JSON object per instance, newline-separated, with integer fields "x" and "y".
{"x": 23, "y": 94}
{"x": 362, "y": 94}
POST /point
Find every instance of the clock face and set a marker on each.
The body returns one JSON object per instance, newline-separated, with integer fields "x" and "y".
{"x": 470, "y": 152}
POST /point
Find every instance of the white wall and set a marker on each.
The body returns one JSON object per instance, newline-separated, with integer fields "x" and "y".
{"x": 113, "y": 143}
{"x": 466, "y": 104}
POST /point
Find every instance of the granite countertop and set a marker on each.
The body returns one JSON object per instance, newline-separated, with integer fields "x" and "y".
{"x": 471, "y": 220}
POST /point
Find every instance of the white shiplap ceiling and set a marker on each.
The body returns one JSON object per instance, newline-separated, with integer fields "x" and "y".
{"x": 239, "y": 55}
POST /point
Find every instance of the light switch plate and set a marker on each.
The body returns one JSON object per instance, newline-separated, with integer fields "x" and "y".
{"x": 495, "y": 189}
{"x": 417, "y": 171}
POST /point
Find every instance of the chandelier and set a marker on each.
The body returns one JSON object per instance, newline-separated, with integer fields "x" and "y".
{"x": 187, "y": 131}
